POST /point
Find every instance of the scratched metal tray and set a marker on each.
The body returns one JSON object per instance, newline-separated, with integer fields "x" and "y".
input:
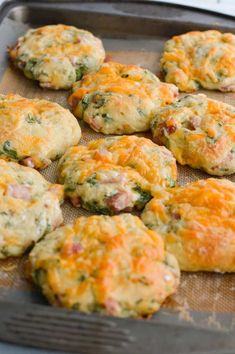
{"x": 200, "y": 318}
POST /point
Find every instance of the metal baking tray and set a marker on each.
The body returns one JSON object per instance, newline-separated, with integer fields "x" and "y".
{"x": 26, "y": 318}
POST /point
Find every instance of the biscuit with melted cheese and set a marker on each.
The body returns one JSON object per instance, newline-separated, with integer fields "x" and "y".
{"x": 109, "y": 265}
{"x": 115, "y": 174}
{"x": 57, "y": 55}
{"x": 35, "y": 132}
{"x": 200, "y": 132}
{"x": 120, "y": 99}
{"x": 200, "y": 59}
{"x": 29, "y": 208}
{"x": 197, "y": 224}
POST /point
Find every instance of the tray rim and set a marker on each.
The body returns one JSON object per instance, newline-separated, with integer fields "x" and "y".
{"x": 172, "y": 315}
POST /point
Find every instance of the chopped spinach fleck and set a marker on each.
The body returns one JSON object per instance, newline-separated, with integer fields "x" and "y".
{"x": 82, "y": 278}
{"x": 106, "y": 117}
{"x": 211, "y": 140}
{"x": 32, "y": 119}
{"x": 85, "y": 102}
{"x": 144, "y": 196}
{"x": 48, "y": 229}
{"x": 171, "y": 183}
{"x": 92, "y": 179}
{"x": 5, "y": 252}
{"x": 30, "y": 66}
{"x": 69, "y": 188}
{"x": 7, "y": 150}
{"x": 94, "y": 207}
{"x": 80, "y": 71}
{"x": 37, "y": 275}
{"x": 76, "y": 306}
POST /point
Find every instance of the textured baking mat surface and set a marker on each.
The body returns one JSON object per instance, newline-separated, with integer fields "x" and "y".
{"x": 199, "y": 291}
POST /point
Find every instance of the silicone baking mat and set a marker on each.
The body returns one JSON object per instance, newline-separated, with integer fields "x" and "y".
{"x": 198, "y": 291}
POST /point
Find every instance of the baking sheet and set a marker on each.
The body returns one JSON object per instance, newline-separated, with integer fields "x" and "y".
{"x": 214, "y": 293}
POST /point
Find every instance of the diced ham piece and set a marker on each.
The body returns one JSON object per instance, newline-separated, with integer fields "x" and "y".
{"x": 76, "y": 248}
{"x": 107, "y": 58}
{"x": 18, "y": 191}
{"x": 95, "y": 124}
{"x": 112, "y": 306}
{"x": 228, "y": 88}
{"x": 74, "y": 102}
{"x": 194, "y": 122}
{"x": 75, "y": 201}
{"x": 119, "y": 201}
{"x": 28, "y": 161}
{"x": 110, "y": 180}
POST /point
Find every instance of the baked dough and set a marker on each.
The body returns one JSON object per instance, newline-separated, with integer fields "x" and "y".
{"x": 110, "y": 265}
{"x": 197, "y": 224}
{"x": 115, "y": 174}
{"x": 29, "y": 208}
{"x": 200, "y": 59}
{"x": 120, "y": 99}
{"x": 34, "y": 132}
{"x": 57, "y": 55}
{"x": 200, "y": 132}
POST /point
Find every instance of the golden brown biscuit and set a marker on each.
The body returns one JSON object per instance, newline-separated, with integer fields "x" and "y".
{"x": 34, "y": 132}
{"x": 29, "y": 208}
{"x": 200, "y": 132}
{"x": 200, "y": 59}
{"x": 111, "y": 265}
{"x": 57, "y": 55}
{"x": 115, "y": 174}
{"x": 120, "y": 99}
{"x": 197, "y": 224}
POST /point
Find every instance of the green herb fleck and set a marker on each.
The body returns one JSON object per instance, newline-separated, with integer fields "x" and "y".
{"x": 48, "y": 229}
{"x": 5, "y": 252}
{"x": 92, "y": 180}
{"x": 69, "y": 188}
{"x": 8, "y": 151}
{"x": 82, "y": 278}
{"x": 85, "y": 102}
{"x": 144, "y": 196}
{"x": 76, "y": 306}
{"x": 106, "y": 117}
{"x": 80, "y": 71}
{"x": 211, "y": 140}
{"x": 37, "y": 275}
{"x": 28, "y": 70}
{"x": 94, "y": 207}
{"x": 32, "y": 119}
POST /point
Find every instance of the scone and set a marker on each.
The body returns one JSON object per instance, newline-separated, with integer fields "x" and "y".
{"x": 200, "y": 59}
{"x": 34, "y": 132}
{"x": 200, "y": 132}
{"x": 29, "y": 208}
{"x": 110, "y": 265}
{"x": 120, "y": 99}
{"x": 115, "y": 174}
{"x": 57, "y": 55}
{"x": 197, "y": 224}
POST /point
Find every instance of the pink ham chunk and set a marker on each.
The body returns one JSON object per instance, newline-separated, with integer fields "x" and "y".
{"x": 18, "y": 191}
{"x": 119, "y": 201}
